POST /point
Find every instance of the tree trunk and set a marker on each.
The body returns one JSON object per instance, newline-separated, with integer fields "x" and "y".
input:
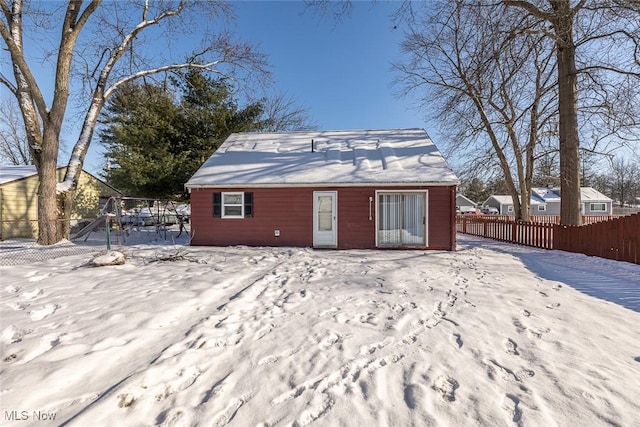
{"x": 65, "y": 208}
{"x": 47, "y": 200}
{"x": 525, "y": 204}
{"x": 569, "y": 144}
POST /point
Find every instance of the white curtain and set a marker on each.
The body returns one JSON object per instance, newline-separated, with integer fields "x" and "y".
{"x": 401, "y": 218}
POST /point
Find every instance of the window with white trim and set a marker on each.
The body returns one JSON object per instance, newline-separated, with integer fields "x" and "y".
{"x": 510, "y": 209}
{"x": 542, "y": 208}
{"x": 234, "y": 204}
{"x": 598, "y": 207}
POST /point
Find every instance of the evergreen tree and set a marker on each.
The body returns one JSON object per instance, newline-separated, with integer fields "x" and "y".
{"x": 476, "y": 190}
{"x": 209, "y": 114}
{"x": 140, "y": 138}
{"x": 156, "y": 141}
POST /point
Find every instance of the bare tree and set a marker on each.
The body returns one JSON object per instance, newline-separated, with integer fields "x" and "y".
{"x": 13, "y": 142}
{"x": 624, "y": 178}
{"x": 487, "y": 82}
{"x": 605, "y": 25}
{"x": 283, "y": 114}
{"x": 596, "y": 45}
{"x": 104, "y": 45}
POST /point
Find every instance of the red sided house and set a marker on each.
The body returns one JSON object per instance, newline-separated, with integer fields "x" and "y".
{"x": 339, "y": 189}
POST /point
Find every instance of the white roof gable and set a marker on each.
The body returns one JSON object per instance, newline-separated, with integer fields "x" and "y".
{"x": 587, "y": 194}
{"x": 508, "y": 200}
{"x": 13, "y": 173}
{"x": 548, "y": 194}
{"x": 590, "y": 194}
{"x": 460, "y": 198}
{"x": 396, "y": 156}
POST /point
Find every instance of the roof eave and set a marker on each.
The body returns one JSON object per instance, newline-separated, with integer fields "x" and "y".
{"x": 326, "y": 184}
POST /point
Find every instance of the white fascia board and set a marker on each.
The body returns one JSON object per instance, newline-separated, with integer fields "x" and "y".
{"x": 327, "y": 184}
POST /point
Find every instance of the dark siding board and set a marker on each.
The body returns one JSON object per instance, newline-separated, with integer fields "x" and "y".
{"x": 441, "y": 218}
{"x": 290, "y": 210}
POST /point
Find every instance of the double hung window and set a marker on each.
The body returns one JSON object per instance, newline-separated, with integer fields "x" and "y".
{"x": 232, "y": 205}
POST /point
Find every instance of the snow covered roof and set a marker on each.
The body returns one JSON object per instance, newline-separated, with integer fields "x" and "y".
{"x": 465, "y": 199}
{"x": 508, "y": 200}
{"x": 546, "y": 193}
{"x": 590, "y": 194}
{"x": 587, "y": 194}
{"x": 543, "y": 195}
{"x": 394, "y": 156}
{"x": 14, "y": 173}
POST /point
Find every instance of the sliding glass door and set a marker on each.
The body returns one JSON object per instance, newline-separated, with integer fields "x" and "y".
{"x": 401, "y": 218}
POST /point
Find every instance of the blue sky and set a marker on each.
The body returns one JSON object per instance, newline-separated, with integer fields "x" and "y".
{"x": 340, "y": 71}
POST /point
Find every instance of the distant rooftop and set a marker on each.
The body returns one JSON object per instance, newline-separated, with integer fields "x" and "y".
{"x": 541, "y": 195}
{"x": 14, "y": 173}
{"x": 394, "y": 156}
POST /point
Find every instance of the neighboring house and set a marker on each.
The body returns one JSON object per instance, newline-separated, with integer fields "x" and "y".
{"x": 546, "y": 201}
{"x": 331, "y": 189}
{"x": 19, "y": 199}
{"x": 464, "y": 204}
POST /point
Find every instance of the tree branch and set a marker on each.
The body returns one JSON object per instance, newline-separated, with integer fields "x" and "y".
{"x": 29, "y": 85}
{"x": 12, "y": 88}
{"x": 5, "y": 10}
{"x": 585, "y": 70}
{"x": 209, "y": 67}
{"x": 529, "y": 7}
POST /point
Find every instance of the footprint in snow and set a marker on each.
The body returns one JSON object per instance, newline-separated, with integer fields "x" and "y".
{"x": 330, "y": 340}
{"x": 268, "y": 360}
{"x": 33, "y": 294}
{"x": 413, "y": 395}
{"x": 371, "y": 348}
{"x": 437, "y": 311}
{"x": 519, "y": 326}
{"x": 457, "y": 340}
{"x": 225, "y": 416}
{"x": 332, "y": 310}
{"x": 263, "y": 331}
{"x": 510, "y": 403}
{"x": 17, "y": 306}
{"x": 43, "y": 312}
{"x": 554, "y": 305}
{"x": 446, "y": 386}
{"x": 126, "y": 400}
{"x": 511, "y": 347}
{"x": 12, "y": 334}
{"x": 537, "y": 333}
{"x": 183, "y": 380}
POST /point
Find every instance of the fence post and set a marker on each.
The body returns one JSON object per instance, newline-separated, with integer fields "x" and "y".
{"x": 107, "y": 227}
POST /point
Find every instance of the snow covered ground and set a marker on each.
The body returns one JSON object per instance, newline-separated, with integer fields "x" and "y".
{"x": 493, "y": 334}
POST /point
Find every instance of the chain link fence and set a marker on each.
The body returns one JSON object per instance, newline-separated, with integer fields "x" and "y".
{"x": 18, "y": 242}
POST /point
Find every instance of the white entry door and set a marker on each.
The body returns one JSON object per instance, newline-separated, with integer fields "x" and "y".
{"x": 325, "y": 230}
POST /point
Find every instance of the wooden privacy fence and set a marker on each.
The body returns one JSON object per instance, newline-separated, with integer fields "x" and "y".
{"x": 546, "y": 219}
{"x": 506, "y": 229}
{"x": 616, "y": 238}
